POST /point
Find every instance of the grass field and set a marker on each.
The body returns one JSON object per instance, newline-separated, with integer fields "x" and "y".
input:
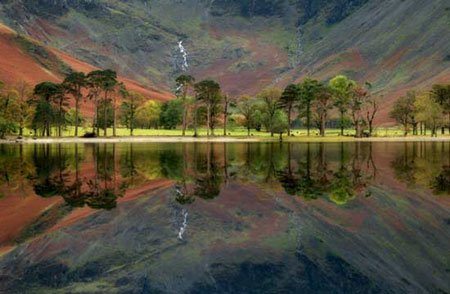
{"x": 296, "y": 134}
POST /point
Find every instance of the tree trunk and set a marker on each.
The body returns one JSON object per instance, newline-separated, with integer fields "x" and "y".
{"x": 114, "y": 118}
{"x": 225, "y": 123}
{"x": 105, "y": 115}
{"x": 60, "y": 119}
{"x": 21, "y": 131}
{"x": 184, "y": 119}
{"x": 342, "y": 123}
{"x": 208, "y": 118}
{"x": 358, "y": 130}
{"x": 448, "y": 123}
{"x": 322, "y": 126}
{"x": 289, "y": 121}
{"x": 94, "y": 119}
{"x": 248, "y": 131}
{"x": 195, "y": 122}
{"x": 77, "y": 109}
{"x": 308, "y": 119}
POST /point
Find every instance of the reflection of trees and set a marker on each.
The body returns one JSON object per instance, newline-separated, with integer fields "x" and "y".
{"x": 15, "y": 171}
{"x": 200, "y": 176}
{"x": 53, "y": 177}
{"x": 209, "y": 178}
{"x": 441, "y": 183}
{"x": 424, "y": 164}
{"x": 89, "y": 175}
{"x": 314, "y": 176}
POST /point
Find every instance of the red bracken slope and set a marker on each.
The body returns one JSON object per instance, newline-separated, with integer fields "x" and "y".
{"x": 17, "y": 64}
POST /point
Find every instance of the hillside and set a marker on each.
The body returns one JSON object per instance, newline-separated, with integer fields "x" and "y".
{"x": 24, "y": 59}
{"x": 247, "y": 45}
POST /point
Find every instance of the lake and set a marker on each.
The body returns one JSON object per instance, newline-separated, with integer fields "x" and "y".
{"x": 225, "y": 218}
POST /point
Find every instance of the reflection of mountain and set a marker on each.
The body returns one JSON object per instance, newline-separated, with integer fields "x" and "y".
{"x": 262, "y": 217}
{"x": 243, "y": 241}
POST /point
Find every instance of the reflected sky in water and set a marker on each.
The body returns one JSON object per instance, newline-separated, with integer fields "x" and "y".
{"x": 225, "y": 218}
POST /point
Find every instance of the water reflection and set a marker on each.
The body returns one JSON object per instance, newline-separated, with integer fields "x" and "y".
{"x": 233, "y": 218}
{"x": 426, "y": 165}
{"x": 97, "y": 175}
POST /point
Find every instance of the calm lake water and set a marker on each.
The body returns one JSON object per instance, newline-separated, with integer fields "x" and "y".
{"x": 225, "y": 218}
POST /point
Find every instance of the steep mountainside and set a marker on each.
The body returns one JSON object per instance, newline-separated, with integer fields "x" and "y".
{"x": 247, "y": 45}
{"x": 24, "y": 59}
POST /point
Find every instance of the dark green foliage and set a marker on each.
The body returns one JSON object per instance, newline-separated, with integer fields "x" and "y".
{"x": 403, "y": 111}
{"x": 73, "y": 84}
{"x": 289, "y": 100}
{"x": 171, "y": 114}
{"x": 208, "y": 93}
{"x": 49, "y": 106}
{"x": 309, "y": 89}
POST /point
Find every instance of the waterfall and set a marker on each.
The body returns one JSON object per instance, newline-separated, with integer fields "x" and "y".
{"x": 184, "y": 54}
{"x": 183, "y": 227}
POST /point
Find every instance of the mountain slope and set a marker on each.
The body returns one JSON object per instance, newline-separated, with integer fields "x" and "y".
{"x": 24, "y": 59}
{"x": 247, "y": 45}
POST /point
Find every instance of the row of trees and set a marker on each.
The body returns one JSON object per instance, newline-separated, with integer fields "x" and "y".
{"x": 49, "y": 106}
{"x": 52, "y": 105}
{"x": 419, "y": 111}
{"x": 309, "y": 102}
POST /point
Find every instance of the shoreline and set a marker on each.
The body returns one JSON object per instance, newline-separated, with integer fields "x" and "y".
{"x": 220, "y": 139}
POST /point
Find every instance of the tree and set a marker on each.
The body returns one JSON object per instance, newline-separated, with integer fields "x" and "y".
{"x": 341, "y": 87}
{"x": 289, "y": 99}
{"x": 208, "y": 92}
{"x": 171, "y": 114}
{"x": 321, "y": 106}
{"x": 246, "y": 107}
{"x": 61, "y": 102}
{"x": 356, "y": 103}
{"x": 23, "y": 108}
{"x": 131, "y": 102}
{"x": 45, "y": 114}
{"x": 371, "y": 108}
{"x": 184, "y": 84}
{"x": 441, "y": 94}
{"x": 73, "y": 85}
{"x": 7, "y": 112}
{"x": 309, "y": 89}
{"x": 148, "y": 114}
{"x": 403, "y": 110}
{"x": 111, "y": 86}
{"x": 227, "y": 103}
{"x": 270, "y": 98}
{"x": 93, "y": 80}
{"x": 103, "y": 81}
{"x": 16, "y": 107}
{"x": 428, "y": 111}
{"x": 280, "y": 123}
